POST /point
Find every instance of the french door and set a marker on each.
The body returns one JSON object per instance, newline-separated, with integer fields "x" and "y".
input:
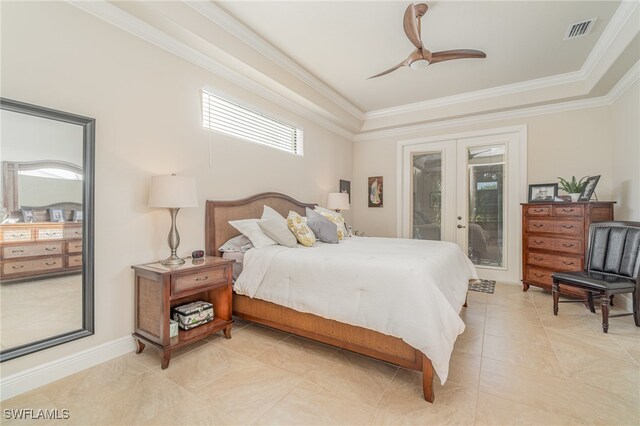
{"x": 467, "y": 190}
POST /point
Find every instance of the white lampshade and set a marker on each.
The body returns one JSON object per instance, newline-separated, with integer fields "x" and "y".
{"x": 338, "y": 201}
{"x": 173, "y": 191}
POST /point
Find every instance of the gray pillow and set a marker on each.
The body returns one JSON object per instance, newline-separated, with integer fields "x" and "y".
{"x": 325, "y": 230}
{"x": 276, "y": 228}
{"x": 236, "y": 244}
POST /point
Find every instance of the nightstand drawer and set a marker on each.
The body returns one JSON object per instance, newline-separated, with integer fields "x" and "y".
{"x": 556, "y": 244}
{"x": 31, "y": 266}
{"x": 553, "y": 261}
{"x": 11, "y": 252}
{"x": 538, "y": 211}
{"x": 568, "y": 211}
{"x": 186, "y": 283}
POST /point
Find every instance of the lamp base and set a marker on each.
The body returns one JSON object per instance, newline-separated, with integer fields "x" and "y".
{"x": 173, "y": 261}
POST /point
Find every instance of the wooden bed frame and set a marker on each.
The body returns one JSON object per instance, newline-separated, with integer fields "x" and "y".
{"x": 349, "y": 337}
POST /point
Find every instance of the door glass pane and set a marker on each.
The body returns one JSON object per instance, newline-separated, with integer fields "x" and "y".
{"x": 427, "y": 196}
{"x": 486, "y": 202}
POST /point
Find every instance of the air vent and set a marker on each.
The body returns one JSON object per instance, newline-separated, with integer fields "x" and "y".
{"x": 579, "y": 29}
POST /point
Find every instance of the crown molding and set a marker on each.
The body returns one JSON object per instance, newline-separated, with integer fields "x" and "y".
{"x": 620, "y": 17}
{"x": 221, "y": 18}
{"x": 618, "y": 90}
{"x": 123, "y": 20}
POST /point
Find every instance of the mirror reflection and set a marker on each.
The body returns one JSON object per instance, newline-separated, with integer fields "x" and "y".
{"x": 41, "y": 294}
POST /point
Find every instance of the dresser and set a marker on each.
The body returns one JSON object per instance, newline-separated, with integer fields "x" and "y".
{"x": 554, "y": 239}
{"x": 38, "y": 250}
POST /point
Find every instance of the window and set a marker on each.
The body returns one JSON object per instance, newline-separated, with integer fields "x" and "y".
{"x": 226, "y": 117}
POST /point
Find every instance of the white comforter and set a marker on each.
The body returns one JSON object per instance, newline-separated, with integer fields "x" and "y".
{"x": 411, "y": 289}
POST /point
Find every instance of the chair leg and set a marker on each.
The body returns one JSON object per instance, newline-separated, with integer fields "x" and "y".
{"x": 555, "y": 290}
{"x": 605, "y": 312}
{"x": 592, "y": 308}
{"x": 636, "y": 307}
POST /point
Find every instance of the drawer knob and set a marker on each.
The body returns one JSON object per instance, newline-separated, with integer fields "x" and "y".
{"x": 567, "y": 226}
{"x": 203, "y": 279}
{"x": 17, "y": 267}
{"x": 538, "y": 225}
{"x": 538, "y": 242}
{"x": 567, "y": 262}
{"x": 50, "y": 248}
{"x": 538, "y": 210}
{"x": 50, "y": 263}
{"x": 538, "y": 275}
{"x": 539, "y": 258}
{"x": 568, "y": 245}
{"x": 17, "y": 251}
{"x": 567, "y": 210}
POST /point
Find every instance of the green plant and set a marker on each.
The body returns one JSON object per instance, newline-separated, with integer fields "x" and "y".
{"x": 572, "y": 186}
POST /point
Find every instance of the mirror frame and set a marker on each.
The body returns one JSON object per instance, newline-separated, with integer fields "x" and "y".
{"x": 88, "y": 159}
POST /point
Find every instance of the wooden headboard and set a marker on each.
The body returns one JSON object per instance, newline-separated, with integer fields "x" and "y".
{"x": 219, "y": 213}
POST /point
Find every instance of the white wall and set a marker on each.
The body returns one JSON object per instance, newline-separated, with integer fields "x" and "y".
{"x": 625, "y": 116}
{"x": 147, "y": 108}
{"x": 561, "y": 144}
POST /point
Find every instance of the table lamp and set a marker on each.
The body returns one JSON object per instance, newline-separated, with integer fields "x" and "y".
{"x": 338, "y": 201}
{"x": 173, "y": 192}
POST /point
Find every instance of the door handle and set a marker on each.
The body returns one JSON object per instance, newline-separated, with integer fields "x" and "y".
{"x": 460, "y": 226}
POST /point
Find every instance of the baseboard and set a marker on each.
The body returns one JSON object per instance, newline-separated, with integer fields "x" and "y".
{"x": 623, "y": 301}
{"x": 35, "y": 377}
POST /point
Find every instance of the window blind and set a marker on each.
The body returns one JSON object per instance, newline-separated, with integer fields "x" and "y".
{"x": 224, "y": 116}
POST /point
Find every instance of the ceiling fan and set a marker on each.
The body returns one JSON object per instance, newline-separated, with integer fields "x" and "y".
{"x": 422, "y": 57}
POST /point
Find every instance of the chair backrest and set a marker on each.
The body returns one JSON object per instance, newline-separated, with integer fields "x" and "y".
{"x": 614, "y": 249}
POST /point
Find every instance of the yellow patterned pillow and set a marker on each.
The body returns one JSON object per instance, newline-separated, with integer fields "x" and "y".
{"x": 303, "y": 233}
{"x": 335, "y": 218}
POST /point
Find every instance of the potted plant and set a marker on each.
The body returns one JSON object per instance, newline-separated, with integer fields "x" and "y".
{"x": 573, "y": 187}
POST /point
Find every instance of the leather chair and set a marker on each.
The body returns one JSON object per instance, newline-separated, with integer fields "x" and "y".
{"x": 613, "y": 265}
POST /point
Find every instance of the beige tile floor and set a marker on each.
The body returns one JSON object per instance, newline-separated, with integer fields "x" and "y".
{"x": 515, "y": 364}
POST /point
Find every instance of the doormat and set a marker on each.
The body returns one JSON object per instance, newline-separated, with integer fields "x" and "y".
{"x": 483, "y": 286}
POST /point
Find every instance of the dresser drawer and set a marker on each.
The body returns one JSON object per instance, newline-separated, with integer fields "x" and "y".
{"x": 556, "y": 262}
{"x": 540, "y": 276}
{"x": 72, "y": 232}
{"x": 186, "y": 283}
{"x": 50, "y": 234}
{"x": 563, "y": 227}
{"x": 26, "y": 250}
{"x": 74, "y": 261}
{"x": 74, "y": 246}
{"x": 9, "y": 235}
{"x": 538, "y": 210}
{"x": 15, "y": 267}
{"x": 570, "y": 211}
{"x": 556, "y": 244}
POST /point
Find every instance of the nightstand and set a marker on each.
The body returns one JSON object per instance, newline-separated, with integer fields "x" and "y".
{"x": 158, "y": 288}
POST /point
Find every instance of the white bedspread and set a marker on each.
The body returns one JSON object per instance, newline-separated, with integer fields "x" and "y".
{"x": 411, "y": 289}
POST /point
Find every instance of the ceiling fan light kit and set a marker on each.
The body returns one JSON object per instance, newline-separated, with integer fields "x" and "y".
{"x": 421, "y": 58}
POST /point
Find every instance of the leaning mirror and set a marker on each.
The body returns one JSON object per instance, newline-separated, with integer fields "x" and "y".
{"x": 46, "y": 228}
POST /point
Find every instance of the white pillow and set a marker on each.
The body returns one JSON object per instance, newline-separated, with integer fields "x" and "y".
{"x": 239, "y": 244}
{"x": 250, "y": 229}
{"x": 275, "y": 226}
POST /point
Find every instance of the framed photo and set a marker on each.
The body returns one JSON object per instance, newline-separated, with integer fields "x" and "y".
{"x": 77, "y": 216}
{"x": 589, "y": 187}
{"x": 27, "y": 215}
{"x": 543, "y": 192}
{"x": 375, "y": 191}
{"x": 345, "y": 187}
{"x": 56, "y": 215}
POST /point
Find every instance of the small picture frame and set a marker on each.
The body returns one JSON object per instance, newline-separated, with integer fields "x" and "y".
{"x": 345, "y": 186}
{"x": 543, "y": 192}
{"x": 56, "y": 215}
{"x": 27, "y": 215}
{"x": 76, "y": 215}
{"x": 589, "y": 188}
{"x": 375, "y": 191}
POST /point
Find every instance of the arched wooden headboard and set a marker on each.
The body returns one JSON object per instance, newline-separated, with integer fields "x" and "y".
{"x": 219, "y": 213}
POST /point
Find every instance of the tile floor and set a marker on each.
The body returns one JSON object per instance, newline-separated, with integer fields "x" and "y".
{"x": 515, "y": 364}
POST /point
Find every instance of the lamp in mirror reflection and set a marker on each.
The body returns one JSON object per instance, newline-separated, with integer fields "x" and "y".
{"x": 338, "y": 201}
{"x": 173, "y": 192}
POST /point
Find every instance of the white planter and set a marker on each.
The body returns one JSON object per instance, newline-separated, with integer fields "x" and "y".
{"x": 574, "y": 197}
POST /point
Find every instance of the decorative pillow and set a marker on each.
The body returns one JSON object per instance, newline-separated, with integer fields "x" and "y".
{"x": 303, "y": 233}
{"x": 250, "y": 229}
{"x": 238, "y": 258}
{"x": 278, "y": 230}
{"x": 323, "y": 228}
{"x": 237, "y": 244}
{"x": 336, "y": 218}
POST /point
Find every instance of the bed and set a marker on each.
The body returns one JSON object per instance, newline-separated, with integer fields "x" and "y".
{"x": 356, "y": 338}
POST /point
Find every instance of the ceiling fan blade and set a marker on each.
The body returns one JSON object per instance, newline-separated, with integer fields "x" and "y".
{"x": 448, "y": 55}
{"x": 410, "y": 24}
{"x": 400, "y": 65}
